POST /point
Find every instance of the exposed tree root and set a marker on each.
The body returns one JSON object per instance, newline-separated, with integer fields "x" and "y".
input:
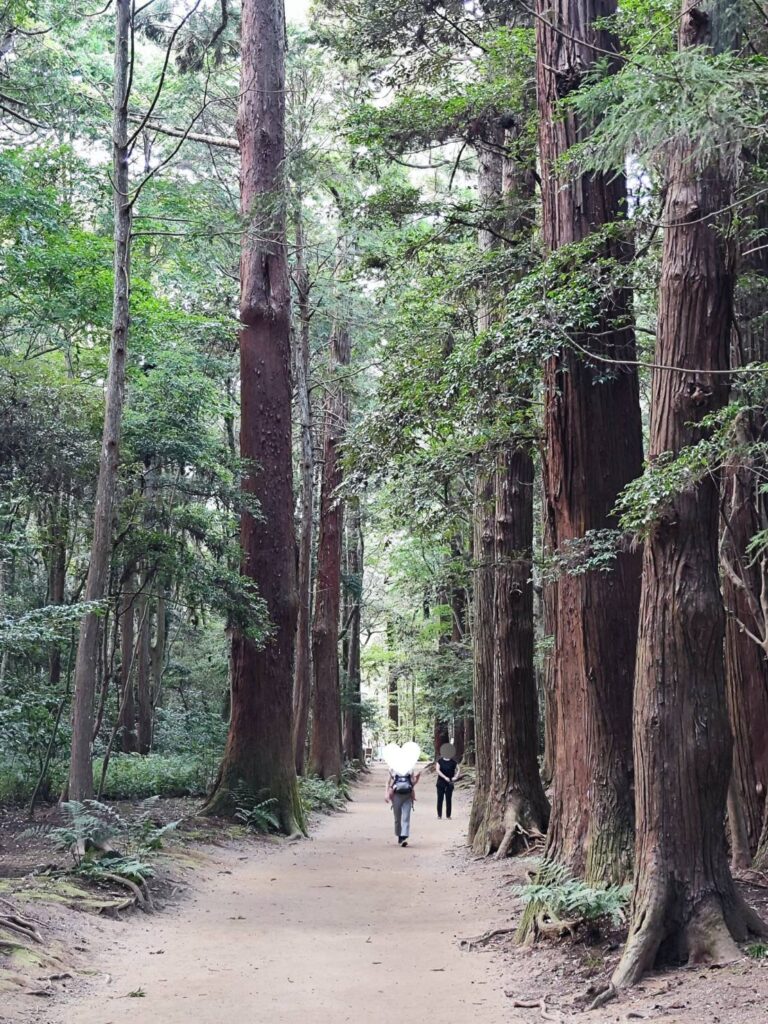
{"x": 14, "y": 922}
{"x": 537, "y": 1004}
{"x": 605, "y": 995}
{"x": 482, "y": 940}
{"x": 529, "y": 837}
{"x": 139, "y": 897}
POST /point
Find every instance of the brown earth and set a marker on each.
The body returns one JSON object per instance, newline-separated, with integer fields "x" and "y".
{"x": 349, "y": 927}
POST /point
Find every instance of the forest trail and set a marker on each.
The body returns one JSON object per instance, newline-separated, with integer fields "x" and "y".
{"x": 343, "y": 927}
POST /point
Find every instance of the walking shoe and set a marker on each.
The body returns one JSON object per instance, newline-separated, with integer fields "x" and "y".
{"x": 404, "y": 842}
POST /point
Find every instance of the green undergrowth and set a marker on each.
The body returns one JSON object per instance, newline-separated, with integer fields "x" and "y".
{"x": 556, "y": 904}
{"x": 129, "y": 777}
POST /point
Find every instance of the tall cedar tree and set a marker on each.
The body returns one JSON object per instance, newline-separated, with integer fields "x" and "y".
{"x": 490, "y": 179}
{"x": 353, "y": 719}
{"x": 303, "y": 669}
{"x": 80, "y": 785}
{"x": 258, "y": 759}
{"x": 685, "y": 905}
{"x": 593, "y": 449}
{"x": 325, "y": 742}
{"x": 745, "y": 513}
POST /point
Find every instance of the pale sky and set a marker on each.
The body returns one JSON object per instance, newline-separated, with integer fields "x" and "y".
{"x": 296, "y": 11}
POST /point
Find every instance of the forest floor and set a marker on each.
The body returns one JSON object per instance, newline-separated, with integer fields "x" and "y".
{"x": 349, "y": 927}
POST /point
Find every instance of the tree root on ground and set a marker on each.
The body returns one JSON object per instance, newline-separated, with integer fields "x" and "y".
{"x": 533, "y": 834}
{"x": 482, "y": 940}
{"x": 141, "y": 897}
{"x": 536, "y": 1004}
{"x": 14, "y": 922}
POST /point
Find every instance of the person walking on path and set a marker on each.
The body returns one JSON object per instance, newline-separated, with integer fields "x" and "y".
{"x": 448, "y": 772}
{"x": 400, "y": 794}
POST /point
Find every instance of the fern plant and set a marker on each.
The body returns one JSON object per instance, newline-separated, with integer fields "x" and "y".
{"x": 555, "y": 896}
{"x": 260, "y": 817}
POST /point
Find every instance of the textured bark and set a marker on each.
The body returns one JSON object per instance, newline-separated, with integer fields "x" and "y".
{"x": 516, "y": 803}
{"x": 469, "y": 740}
{"x": 490, "y": 183}
{"x": 80, "y": 785}
{"x": 593, "y": 449}
{"x": 127, "y": 716}
{"x": 685, "y": 905}
{"x": 482, "y": 680}
{"x": 745, "y": 513}
{"x": 302, "y": 687}
{"x": 325, "y": 742}
{"x": 258, "y": 758}
{"x": 353, "y": 722}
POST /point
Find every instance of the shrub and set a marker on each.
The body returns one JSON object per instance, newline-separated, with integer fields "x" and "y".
{"x": 555, "y": 902}
{"x": 322, "y": 794}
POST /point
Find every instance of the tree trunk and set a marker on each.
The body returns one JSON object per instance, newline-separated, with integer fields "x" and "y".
{"x": 393, "y": 706}
{"x": 516, "y": 804}
{"x": 258, "y": 759}
{"x": 80, "y": 785}
{"x": 593, "y": 449}
{"x": 144, "y": 707}
{"x": 685, "y": 905}
{"x": 325, "y": 744}
{"x": 157, "y": 649}
{"x": 744, "y": 514}
{"x": 303, "y": 673}
{"x": 127, "y": 715}
{"x": 353, "y": 721}
{"x": 469, "y": 740}
{"x": 57, "y": 576}
{"x": 482, "y": 682}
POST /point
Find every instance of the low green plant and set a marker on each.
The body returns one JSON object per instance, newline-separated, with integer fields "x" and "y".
{"x": 757, "y": 951}
{"x": 99, "y": 869}
{"x": 322, "y": 795}
{"x": 554, "y": 896}
{"x": 260, "y": 817}
{"x": 95, "y": 827}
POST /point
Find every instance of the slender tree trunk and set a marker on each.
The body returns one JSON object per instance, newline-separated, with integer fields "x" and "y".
{"x": 325, "y": 743}
{"x": 127, "y": 715}
{"x": 157, "y": 650}
{"x": 303, "y": 674}
{"x": 57, "y": 576}
{"x": 685, "y": 905}
{"x": 593, "y": 449}
{"x": 144, "y": 708}
{"x": 469, "y": 740}
{"x": 259, "y": 753}
{"x": 80, "y": 785}
{"x": 393, "y": 705}
{"x": 353, "y": 721}
{"x": 516, "y": 803}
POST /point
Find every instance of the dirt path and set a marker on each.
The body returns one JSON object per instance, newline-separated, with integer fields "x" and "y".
{"x": 344, "y": 927}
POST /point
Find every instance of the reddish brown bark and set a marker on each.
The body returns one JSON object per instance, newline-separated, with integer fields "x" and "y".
{"x": 685, "y": 905}
{"x": 744, "y": 514}
{"x": 353, "y": 722}
{"x": 303, "y": 671}
{"x": 516, "y": 804}
{"x": 593, "y": 449}
{"x": 258, "y": 760}
{"x": 482, "y": 646}
{"x": 325, "y": 743}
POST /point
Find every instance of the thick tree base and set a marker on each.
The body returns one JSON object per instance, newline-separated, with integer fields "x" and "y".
{"x": 226, "y": 796}
{"x": 666, "y": 933}
{"x": 505, "y": 832}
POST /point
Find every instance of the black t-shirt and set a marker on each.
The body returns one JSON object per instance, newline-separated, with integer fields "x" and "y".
{"x": 447, "y": 766}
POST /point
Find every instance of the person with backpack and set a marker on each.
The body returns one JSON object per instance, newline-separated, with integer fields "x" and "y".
{"x": 400, "y": 794}
{"x": 448, "y": 772}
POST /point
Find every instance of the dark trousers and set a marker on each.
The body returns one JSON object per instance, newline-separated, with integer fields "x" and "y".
{"x": 444, "y": 789}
